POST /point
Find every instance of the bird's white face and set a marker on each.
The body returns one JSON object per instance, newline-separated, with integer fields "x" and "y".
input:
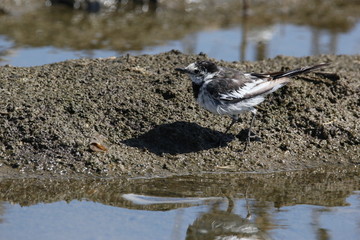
{"x": 195, "y": 73}
{"x": 200, "y": 71}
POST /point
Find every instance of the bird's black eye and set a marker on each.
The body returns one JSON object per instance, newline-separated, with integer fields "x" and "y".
{"x": 196, "y": 71}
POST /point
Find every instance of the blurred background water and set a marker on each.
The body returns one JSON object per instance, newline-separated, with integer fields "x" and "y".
{"x": 36, "y": 32}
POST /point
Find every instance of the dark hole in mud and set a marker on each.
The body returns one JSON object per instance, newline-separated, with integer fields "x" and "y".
{"x": 166, "y": 94}
{"x": 179, "y": 137}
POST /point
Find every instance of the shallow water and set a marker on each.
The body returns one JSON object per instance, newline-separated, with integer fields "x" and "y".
{"x": 294, "y": 205}
{"x": 222, "y": 30}
{"x": 207, "y": 220}
{"x": 222, "y": 44}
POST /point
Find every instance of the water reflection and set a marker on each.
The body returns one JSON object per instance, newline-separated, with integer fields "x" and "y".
{"x": 2, "y": 211}
{"x": 224, "y": 224}
{"x": 96, "y": 6}
{"x": 229, "y": 30}
{"x": 216, "y": 222}
{"x": 293, "y": 205}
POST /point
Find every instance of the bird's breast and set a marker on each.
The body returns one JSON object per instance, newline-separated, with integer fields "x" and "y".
{"x": 196, "y": 89}
{"x": 207, "y": 101}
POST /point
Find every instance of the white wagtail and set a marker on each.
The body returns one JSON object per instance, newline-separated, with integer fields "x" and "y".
{"x": 230, "y": 92}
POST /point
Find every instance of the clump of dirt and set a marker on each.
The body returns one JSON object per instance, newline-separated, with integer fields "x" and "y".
{"x": 136, "y": 116}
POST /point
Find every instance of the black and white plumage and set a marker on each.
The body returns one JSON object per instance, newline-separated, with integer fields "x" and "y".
{"x": 227, "y": 91}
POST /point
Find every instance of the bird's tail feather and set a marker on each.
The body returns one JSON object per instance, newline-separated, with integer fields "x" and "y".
{"x": 297, "y": 71}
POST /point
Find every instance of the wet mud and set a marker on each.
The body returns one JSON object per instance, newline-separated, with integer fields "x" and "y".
{"x": 135, "y": 116}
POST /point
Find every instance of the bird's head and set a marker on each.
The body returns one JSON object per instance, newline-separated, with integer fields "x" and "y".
{"x": 199, "y": 71}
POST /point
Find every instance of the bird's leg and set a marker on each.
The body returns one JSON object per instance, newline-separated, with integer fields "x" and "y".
{"x": 235, "y": 118}
{"x": 253, "y": 111}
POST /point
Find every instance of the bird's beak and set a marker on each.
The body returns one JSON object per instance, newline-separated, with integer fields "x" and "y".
{"x": 182, "y": 70}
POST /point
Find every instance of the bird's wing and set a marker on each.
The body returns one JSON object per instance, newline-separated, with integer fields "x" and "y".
{"x": 236, "y": 86}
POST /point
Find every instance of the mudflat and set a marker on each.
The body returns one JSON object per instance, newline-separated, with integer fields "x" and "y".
{"x": 136, "y": 116}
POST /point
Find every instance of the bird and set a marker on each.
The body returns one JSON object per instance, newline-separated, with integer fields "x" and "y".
{"x": 227, "y": 91}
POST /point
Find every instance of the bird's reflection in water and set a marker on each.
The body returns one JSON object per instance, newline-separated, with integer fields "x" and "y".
{"x": 215, "y": 224}
{"x": 220, "y": 224}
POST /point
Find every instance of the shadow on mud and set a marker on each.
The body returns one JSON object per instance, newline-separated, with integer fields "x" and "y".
{"x": 179, "y": 137}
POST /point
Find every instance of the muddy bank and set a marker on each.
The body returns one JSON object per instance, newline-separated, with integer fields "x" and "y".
{"x": 135, "y": 116}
